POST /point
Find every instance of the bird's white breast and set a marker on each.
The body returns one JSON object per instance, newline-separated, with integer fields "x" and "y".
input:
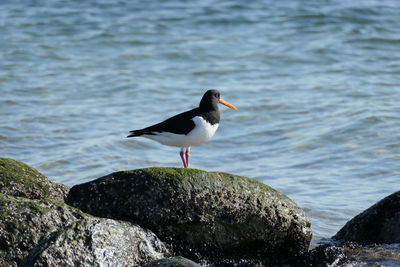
{"x": 202, "y": 132}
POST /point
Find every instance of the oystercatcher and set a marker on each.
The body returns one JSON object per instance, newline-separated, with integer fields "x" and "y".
{"x": 189, "y": 128}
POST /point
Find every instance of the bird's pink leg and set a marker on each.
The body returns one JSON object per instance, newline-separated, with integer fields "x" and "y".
{"x": 182, "y": 154}
{"x": 187, "y": 153}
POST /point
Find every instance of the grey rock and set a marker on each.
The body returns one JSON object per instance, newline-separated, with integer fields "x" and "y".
{"x": 172, "y": 262}
{"x": 21, "y": 180}
{"x": 203, "y": 215}
{"x": 51, "y": 233}
{"x": 378, "y": 224}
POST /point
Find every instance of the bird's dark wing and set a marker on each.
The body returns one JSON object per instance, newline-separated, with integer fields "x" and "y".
{"x": 178, "y": 124}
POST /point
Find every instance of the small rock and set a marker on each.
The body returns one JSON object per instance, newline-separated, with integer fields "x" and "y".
{"x": 378, "y": 224}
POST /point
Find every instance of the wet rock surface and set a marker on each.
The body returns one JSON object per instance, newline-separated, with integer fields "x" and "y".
{"x": 51, "y": 233}
{"x": 203, "y": 215}
{"x": 375, "y": 255}
{"x": 21, "y": 180}
{"x": 173, "y": 262}
{"x": 350, "y": 255}
{"x": 378, "y": 224}
{"x": 323, "y": 255}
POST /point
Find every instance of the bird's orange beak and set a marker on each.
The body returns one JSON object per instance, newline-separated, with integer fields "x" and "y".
{"x": 223, "y": 102}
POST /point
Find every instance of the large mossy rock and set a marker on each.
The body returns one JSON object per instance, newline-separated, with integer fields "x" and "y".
{"x": 203, "y": 215}
{"x": 19, "y": 179}
{"x": 51, "y": 233}
{"x": 378, "y": 224}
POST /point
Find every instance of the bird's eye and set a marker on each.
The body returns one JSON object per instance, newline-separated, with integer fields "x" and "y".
{"x": 217, "y": 95}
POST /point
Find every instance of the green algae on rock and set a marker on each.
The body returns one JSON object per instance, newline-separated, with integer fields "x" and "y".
{"x": 19, "y": 179}
{"x": 202, "y": 215}
{"x": 51, "y": 233}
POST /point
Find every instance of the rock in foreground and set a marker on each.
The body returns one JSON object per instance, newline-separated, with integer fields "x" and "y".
{"x": 203, "y": 215}
{"x": 50, "y": 233}
{"x": 378, "y": 224}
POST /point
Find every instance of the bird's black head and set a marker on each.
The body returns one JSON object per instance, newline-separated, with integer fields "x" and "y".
{"x": 210, "y": 100}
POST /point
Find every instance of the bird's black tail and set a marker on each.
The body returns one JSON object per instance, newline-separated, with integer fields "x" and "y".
{"x": 135, "y": 133}
{"x": 139, "y": 133}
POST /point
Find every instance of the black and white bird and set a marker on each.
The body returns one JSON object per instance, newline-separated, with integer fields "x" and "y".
{"x": 189, "y": 128}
